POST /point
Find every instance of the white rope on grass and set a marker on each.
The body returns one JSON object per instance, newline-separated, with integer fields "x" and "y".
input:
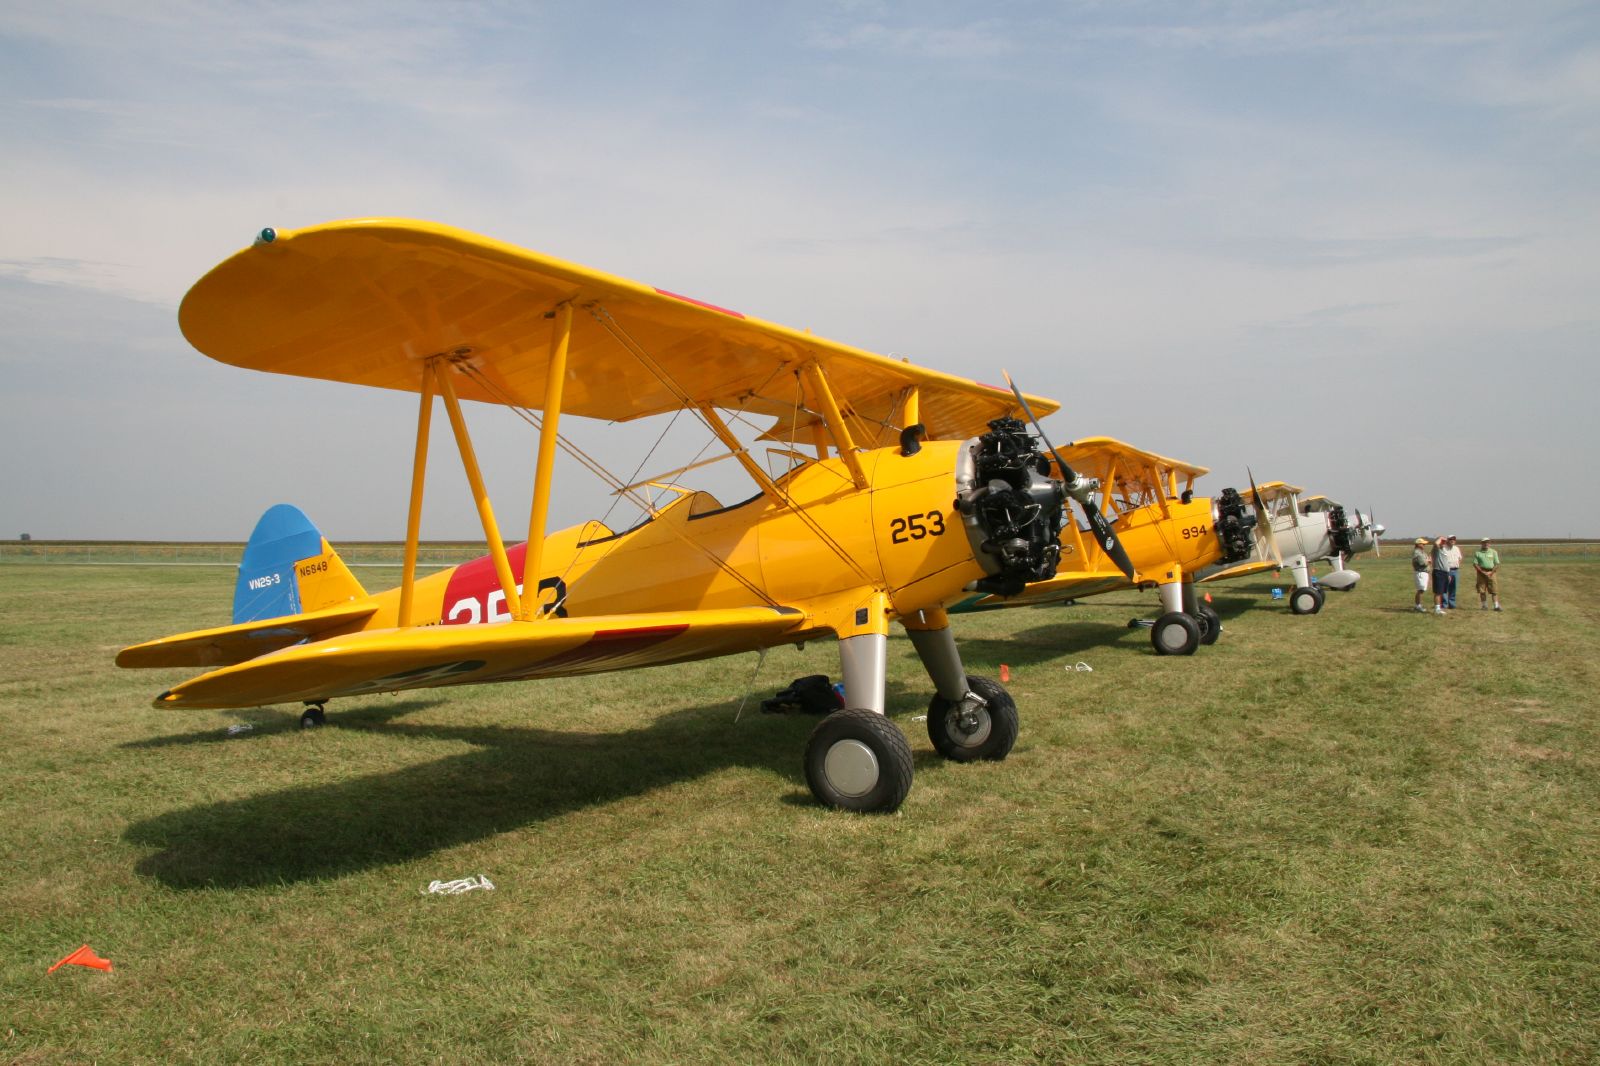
{"x": 455, "y": 888}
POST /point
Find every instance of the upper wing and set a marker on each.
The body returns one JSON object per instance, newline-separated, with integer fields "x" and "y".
{"x": 1272, "y": 491}
{"x": 368, "y": 301}
{"x": 389, "y": 660}
{"x": 1092, "y": 454}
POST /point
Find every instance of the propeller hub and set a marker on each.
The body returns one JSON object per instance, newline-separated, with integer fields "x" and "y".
{"x": 1010, "y": 506}
{"x": 1233, "y": 526}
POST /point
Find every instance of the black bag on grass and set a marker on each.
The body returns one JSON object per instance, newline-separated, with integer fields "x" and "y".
{"x": 812, "y": 694}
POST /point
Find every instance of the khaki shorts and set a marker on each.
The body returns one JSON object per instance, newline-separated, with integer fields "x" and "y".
{"x": 1487, "y": 583}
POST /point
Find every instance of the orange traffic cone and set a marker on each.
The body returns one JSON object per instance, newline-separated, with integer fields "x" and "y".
{"x": 84, "y": 956}
{"x": 1208, "y": 597}
{"x": 1005, "y": 673}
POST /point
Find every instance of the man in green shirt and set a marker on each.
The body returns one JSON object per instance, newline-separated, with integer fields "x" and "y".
{"x": 1486, "y": 561}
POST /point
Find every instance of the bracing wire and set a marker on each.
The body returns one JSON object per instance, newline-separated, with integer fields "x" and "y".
{"x": 622, "y": 336}
{"x": 621, "y": 487}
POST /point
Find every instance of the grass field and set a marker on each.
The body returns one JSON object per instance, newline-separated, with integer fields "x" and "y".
{"x": 1364, "y": 836}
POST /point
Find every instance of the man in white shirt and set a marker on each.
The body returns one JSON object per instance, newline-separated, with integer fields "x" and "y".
{"x": 1453, "y": 555}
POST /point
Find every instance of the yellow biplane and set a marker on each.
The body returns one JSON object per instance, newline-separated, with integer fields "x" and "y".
{"x": 1168, "y": 533}
{"x": 1304, "y": 530}
{"x": 886, "y": 514}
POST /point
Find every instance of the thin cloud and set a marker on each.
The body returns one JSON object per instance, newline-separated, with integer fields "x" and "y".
{"x": 987, "y": 39}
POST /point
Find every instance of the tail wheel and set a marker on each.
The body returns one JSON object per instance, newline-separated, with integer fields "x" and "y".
{"x": 313, "y": 716}
{"x": 985, "y": 732}
{"x": 1306, "y": 600}
{"x": 1175, "y": 633}
{"x": 858, "y": 760}
{"x": 1210, "y": 623}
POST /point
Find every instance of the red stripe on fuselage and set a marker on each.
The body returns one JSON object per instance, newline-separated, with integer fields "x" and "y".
{"x": 473, "y": 592}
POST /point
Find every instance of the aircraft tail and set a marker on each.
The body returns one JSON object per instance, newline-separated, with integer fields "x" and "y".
{"x": 289, "y": 568}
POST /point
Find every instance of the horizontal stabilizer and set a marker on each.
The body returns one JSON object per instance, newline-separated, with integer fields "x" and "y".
{"x": 227, "y": 645}
{"x": 392, "y": 660}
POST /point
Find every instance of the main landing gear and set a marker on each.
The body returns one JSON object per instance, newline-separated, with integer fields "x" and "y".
{"x": 313, "y": 716}
{"x": 982, "y": 725}
{"x": 1307, "y": 599}
{"x": 1187, "y": 623}
{"x": 1175, "y": 633}
{"x": 858, "y": 760}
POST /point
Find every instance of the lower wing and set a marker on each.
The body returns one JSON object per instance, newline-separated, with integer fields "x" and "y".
{"x": 1061, "y": 587}
{"x": 1242, "y": 570}
{"x": 391, "y": 660}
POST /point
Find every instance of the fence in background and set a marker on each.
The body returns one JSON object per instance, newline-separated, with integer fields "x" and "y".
{"x": 449, "y": 553}
{"x": 222, "y": 553}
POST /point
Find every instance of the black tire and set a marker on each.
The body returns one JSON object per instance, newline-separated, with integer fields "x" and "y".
{"x": 312, "y": 718}
{"x": 1307, "y": 600}
{"x": 995, "y": 725}
{"x": 858, "y": 760}
{"x": 1175, "y": 633}
{"x": 1210, "y": 623}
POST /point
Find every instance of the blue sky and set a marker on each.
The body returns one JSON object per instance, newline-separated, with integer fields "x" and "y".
{"x": 1349, "y": 245}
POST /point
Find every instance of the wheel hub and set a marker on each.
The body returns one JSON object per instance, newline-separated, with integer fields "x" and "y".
{"x": 851, "y": 767}
{"x": 1172, "y": 637}
{"x": 972, "y": 726}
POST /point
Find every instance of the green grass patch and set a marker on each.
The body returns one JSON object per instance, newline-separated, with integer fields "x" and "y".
{"x": 1363, "y": 836}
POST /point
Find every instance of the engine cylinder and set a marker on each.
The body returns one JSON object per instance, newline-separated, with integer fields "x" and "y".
{"x": 1011, "y": 507}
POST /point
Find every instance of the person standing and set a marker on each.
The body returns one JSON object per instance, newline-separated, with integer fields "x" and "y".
{"x": 1453, "y": 556}
{"x": 1486, "y": 561}
{"x": 1441, "y": 573}
{"x": 1419, "y": 571}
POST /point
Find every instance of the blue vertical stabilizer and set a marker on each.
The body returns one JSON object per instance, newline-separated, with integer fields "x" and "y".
{"x": 267, "y": 587}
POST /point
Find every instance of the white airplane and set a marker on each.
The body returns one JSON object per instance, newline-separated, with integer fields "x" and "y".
{"x": 1305, "y": 529}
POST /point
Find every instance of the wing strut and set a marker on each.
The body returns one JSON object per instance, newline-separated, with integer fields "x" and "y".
{"x": 720, "y": 429}
{"x": 480, "y": 496}
{"x": 817, "y": 383}
{"x": 554, "y": 383}
{"x": 419, "y": 467}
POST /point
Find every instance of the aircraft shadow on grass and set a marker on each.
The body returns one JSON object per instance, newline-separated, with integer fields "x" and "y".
{"x": 516, "y": 776}
{"x": 264, "y": 722}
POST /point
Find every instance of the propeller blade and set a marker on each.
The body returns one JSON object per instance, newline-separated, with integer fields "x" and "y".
{"x": 1264, "y": 521}
{"x": 1081, "y": 491}
{"x": 1377, "y": 538}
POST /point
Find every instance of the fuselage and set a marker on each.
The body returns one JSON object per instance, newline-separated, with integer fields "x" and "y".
{"x": 823, "y": 536}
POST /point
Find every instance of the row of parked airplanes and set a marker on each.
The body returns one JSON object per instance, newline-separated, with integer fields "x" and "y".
{"x": 905, "y": 495}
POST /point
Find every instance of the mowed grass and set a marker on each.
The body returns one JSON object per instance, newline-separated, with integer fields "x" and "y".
{"x": 1364, "y": 836}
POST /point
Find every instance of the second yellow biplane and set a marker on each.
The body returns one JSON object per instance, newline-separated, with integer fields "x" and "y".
{"x": 1168, "y": 533}
{"x": 886, "y": 514}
